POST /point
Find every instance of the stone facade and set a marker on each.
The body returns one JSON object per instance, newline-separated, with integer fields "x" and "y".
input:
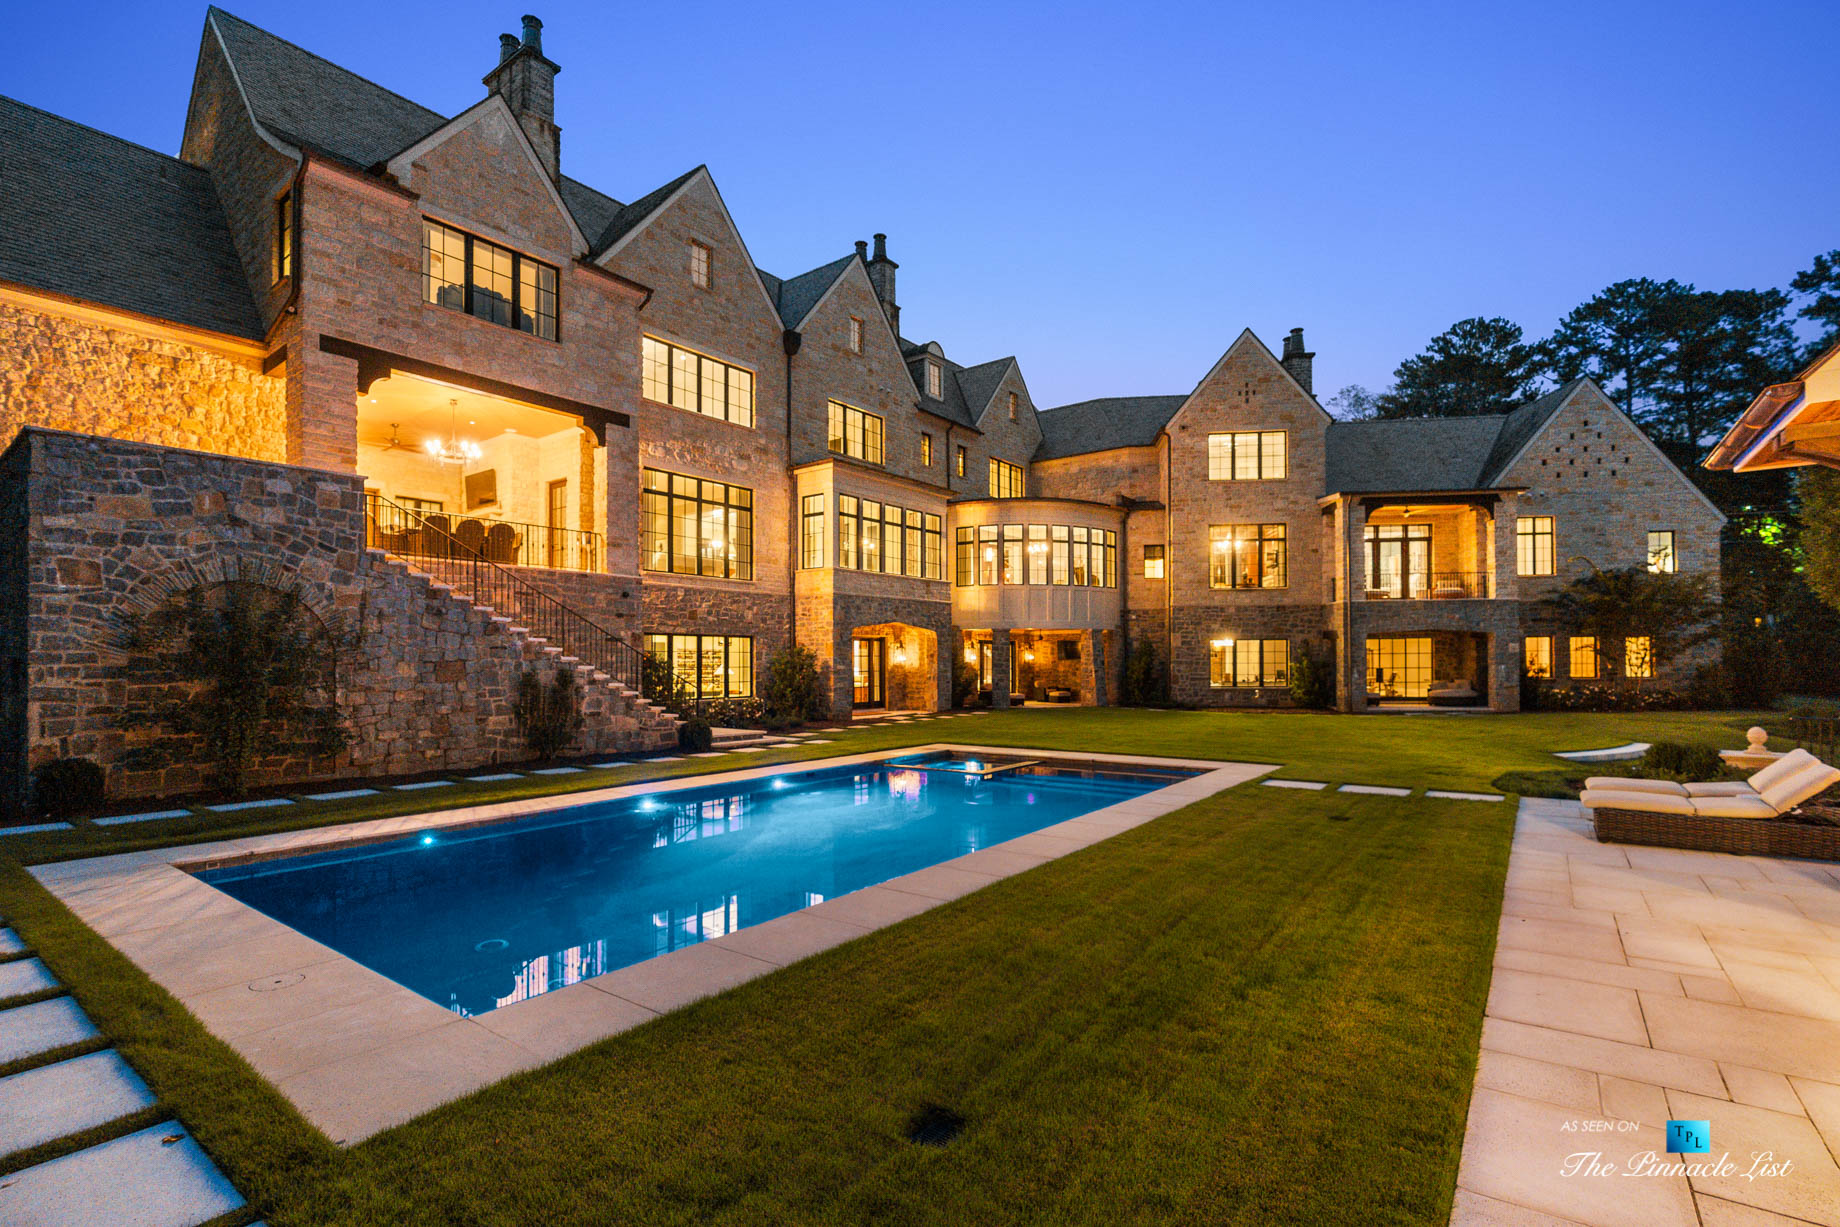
{"x": 70, "y": 368}
{"x": 116, "y": 529}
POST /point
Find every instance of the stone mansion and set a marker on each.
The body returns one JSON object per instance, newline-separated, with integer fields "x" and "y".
{"x": 494, "y": 419}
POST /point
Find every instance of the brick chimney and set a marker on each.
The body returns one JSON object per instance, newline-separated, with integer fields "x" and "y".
{"x": 1298, "y": 361}
{"x": 881, "y": 275}
{"x": 527, "y": 82}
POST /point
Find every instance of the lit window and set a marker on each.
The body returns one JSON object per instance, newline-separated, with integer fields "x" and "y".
{"x": 1153, "y": 562}
{"x": 1248, "y": 556}
{"x": 959, "y": 464}
{"x": 673, "y": 375}
{"x": 1037, "y": 554}
{"x": 1533, "y": 547}
{"x": 1539, "y": 656}
{"x": 856, "y": 335}
{"x": 694, "y": 527}
{"x": 811, "y": 534}
{"x": 926, "y": 450}
{"x": 700, "y": 275}
{"x": 1583, "y": 651}
{"x": 284, "y": 237}
{"x": 1013, "y": 402}
{"x": 718, "y": 666}
{"x": 856, "y": 433}
{"x": 488, "y": 281}
{"x": 1005, "y": 479}
{"x": 935, "y": 379}
{"x": 1661, "y": 555}
{"x": 1249, "y": 663}
{"x": 1248, "y": 455}
{"x": 875, "y": 536}
{"x": 1638, "y": 656}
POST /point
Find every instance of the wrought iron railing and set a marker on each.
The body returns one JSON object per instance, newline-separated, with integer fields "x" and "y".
{"x": 1820, "y": 735}
{"x": 1435, "y": 586}
{"x": 439, "y": 553}
{"x": 508, "y": 543}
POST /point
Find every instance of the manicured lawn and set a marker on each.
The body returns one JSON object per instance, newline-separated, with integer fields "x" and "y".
{"x": 1262, "y": 1008}
{"x": 1411, "y": 751}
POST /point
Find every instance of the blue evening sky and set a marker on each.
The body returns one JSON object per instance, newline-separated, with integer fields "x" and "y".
{"x": 1111, "y": 192}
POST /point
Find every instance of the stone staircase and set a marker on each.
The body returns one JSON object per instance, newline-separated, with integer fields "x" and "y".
{"x": 616, "y": 717}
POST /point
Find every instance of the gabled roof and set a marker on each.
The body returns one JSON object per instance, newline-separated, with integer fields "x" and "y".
{"x": 627, "y": 218}
{"x": 965, "y": 391}
{"x": 978, "y": 384}
{"x": 1103, "y": 424}
{"x": 794, "y": 297}
{"x": 1397, "y": 454}
{"x": 1521, "y": 424}
{"x": 309, "y": 102}
{"x": 94, "y": 217}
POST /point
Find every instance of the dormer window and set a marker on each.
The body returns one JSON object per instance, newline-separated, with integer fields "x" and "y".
{"x": 1014, "y": 400}
{"x": 856, "y": 327}
{"x": 700, "y": 276}
{"x": 485, "y": 280}
{"x": 935, "y": 380}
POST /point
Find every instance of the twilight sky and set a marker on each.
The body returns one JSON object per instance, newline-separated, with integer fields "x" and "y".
{"x": 1111, "y": 192}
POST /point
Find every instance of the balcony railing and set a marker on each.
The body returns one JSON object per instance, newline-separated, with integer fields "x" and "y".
{"x": 505, "y": 543}
{"x": 1435, "y": 586}
{"x": 440, "y": 553}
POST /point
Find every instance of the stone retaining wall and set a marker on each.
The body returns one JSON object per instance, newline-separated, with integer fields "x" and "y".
{"x": 112, "y": 529}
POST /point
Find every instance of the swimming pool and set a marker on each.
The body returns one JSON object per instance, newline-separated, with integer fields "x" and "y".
{"x": 483, "y": 917}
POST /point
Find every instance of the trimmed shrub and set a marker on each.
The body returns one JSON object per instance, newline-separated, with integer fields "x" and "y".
{"x": 1312, "y": 680}
{"x": 964, "y": 683}
{"x": 793, "y": 687}
{"x": 737, "y": 713}
{"x": 1687, "y": 762}
{"x": 67, "y": 788}
{"x": 695, "y": 735}
{"x": 549, "y": 715}
{"x": 1146, "y": 681}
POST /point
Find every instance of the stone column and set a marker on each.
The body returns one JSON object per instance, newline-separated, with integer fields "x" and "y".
{"x": 1093, "y": 649}
{"x": 1504, "y": 648}
{"x": 999, "y": 667}
{"x": 1507, "y": 582}
{"x": 1351, "y": 588}
{"x": 945, "y": 660}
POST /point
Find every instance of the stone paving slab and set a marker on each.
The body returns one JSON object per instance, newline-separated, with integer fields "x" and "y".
{"x": 149, "y": 816}
{"x": 1444, "y": 795}
{"x": 343, "y": 794}
{"x": 1375, "y": 790}
{"x": 1681, "y": 985}
{"x": 10, "y": 943}
{"x": 36, "y": 828}
{"x": 231, "y": 807}
{"x": 141, "y": 1180}
{"x": 494, "y": 778}
{"x": 27, "y": 1030}
{"x": 1311, "y": 785}
{"x": 556, "y": 771}
{"x": 24, "y": 976}
{"x": 54, "y": 1101}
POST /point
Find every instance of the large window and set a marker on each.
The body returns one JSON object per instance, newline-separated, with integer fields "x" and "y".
{"x": 673, "y": 375}
{"x": 718, "y": 666}
{"x": 693, "y": 527}
{"x": 811, "y": 530}
{"x": 488, "y": 281}
{"x": 874, "y": 536}
{"x": 1005, "y": 479}
{"x": 1583, "y": 652}
{"x": 1249, "y": 663}
{"x": 1539, "y": 656}
{"x": 1248, "y": 455}
{"x": 1533, "y": 546}
{"x": 1638, "y": 656}
{"x": 1037, "y": 554}
{"x": 1661, "y": 555}
{"x": 856, "y": 433}
{"x": 1398, "y": 668}
{"x": 1247, "y": 556}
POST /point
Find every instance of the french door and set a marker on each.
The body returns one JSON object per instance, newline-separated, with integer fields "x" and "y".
{"x": 871, "y": 676}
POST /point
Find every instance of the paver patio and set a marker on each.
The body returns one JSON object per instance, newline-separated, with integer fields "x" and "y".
{"x": 1637, "y": 985}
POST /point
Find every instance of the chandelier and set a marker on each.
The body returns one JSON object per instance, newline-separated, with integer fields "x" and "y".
{"x": 454, "y": 450}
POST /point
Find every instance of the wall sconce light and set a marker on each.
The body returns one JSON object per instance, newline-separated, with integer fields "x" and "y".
{"x": 1222, "y": 643}
{"x": 1029, "y": 656}
{"x": 971, "y": 653}
{"x": 900, "y": 651}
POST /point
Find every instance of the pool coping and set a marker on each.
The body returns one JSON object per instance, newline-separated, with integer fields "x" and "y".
{"x": 357, "y": 1053}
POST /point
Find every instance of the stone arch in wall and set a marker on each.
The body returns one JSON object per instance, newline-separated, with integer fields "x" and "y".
{"x": 910, "y": 664}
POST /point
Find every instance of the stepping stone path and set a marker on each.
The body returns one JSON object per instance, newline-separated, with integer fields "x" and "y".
{"x": 1375, "y": 790}
{"x": 1312, "y": 785}
{"x": 1463, "y": 796}
{"x": 152, "y": 816}
{"x": 155, "y": 1177}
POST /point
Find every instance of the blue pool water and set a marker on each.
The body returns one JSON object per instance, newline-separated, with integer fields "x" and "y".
{"x": 480, "y": 918}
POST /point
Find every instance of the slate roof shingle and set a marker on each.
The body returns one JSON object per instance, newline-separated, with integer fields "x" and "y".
{"x": 98, "y": 218}
{"x": 1102, "y": 424}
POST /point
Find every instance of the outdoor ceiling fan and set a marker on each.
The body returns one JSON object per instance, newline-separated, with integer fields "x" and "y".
{"x": 395, "y": 442}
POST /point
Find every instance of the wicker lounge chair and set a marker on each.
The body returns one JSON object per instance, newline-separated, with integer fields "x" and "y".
{"x": 1754, "y": 821}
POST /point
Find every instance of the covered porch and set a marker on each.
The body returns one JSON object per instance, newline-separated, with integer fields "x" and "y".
{"x": 1027, "y": 665}
{"x": 450, "y": 470}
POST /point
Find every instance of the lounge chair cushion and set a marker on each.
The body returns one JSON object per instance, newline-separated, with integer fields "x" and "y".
{"x": 1812, "y": 780}
{"x": 1782, "y": 768}
{"x": 1733, "y": 807}
{"x": 1622, "y": 783}
{"x": 1648, "y": 802}
{"x": 1721, "y": 788}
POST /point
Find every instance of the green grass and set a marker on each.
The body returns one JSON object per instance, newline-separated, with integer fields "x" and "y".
{"x": 1262, "y": 1008}
{"x": 1460, "y": 752}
